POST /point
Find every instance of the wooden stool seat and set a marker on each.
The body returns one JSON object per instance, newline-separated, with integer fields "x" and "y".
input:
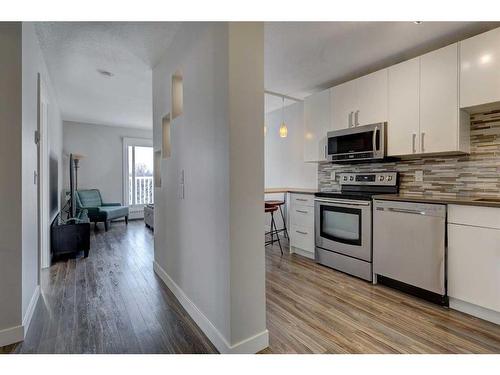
{"x": 270, "y": 209}
{"x": 274, "y": 203}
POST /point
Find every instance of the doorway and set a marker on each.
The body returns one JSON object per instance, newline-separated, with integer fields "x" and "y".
{"x": 138, "y": 166}
{"x": 41, "y": 139}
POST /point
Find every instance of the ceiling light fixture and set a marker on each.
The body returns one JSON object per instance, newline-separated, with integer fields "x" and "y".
{"x": 417, "y": 22}
{"x": 105, "y": 73}
{"x": 283, "y": 128}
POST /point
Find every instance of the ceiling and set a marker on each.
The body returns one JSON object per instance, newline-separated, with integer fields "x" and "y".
{"x": 74, "y": 51}
{"x": 300, "y": 58}
{"x": 305, "y": 57}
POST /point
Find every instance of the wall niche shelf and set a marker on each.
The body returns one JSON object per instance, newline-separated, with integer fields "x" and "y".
{"x": 166, "y": 139}
{"x": 177, "y": 95}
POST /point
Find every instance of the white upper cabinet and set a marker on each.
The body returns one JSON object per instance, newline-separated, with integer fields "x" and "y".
{"x": 344, "y": 104}
{"x": 439, "y": 120}
{"x": 361, "y": 101}
{"x": 316, "y": 125}
{"x": 403, "y": 108}
{"x": 480, "y": 70}
{"x": 372, "y": 98}
{"x": 424, "y": 115}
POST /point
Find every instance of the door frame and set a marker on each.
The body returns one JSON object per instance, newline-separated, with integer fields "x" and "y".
{"x": 42, "y": 181}
{"x": 144, "y": 142}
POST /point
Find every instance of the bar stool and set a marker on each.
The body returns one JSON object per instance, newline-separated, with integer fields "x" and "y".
{"x": 273, "y": 231}
{"x": 279, "y": 203}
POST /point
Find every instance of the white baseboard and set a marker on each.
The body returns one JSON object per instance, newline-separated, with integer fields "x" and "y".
{"x": 31, "y": 310}
{"x": 475, "y": 310}
{"x": 11, "y": 335}
{"x": 251, "y": 345}
{"x": 299, "y": 251}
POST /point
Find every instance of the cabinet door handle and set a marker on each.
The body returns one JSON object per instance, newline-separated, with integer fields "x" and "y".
{"x": 350, "y": 119}
{"x": 413, "y": 137}
{"x": 301, "y": 211}
{"x": 356, "y": 118}
{"x": 301, "y": 199}
{"x": 300, "y": 232}
{"x": 422, "y": 141}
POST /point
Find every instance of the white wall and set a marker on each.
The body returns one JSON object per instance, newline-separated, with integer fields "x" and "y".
{"x": 10, "y": 181}
{"x": 21, "y": 62}
{"x": 202, "y": 250}
{"x": 102, "y": 146}
{"x": 284, "y": 158}
{"x": 32, "y": 64}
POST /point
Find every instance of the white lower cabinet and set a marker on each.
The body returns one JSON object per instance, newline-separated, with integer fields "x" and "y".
{"x": 474, "y": 260}
{"x": 301, "y": 224}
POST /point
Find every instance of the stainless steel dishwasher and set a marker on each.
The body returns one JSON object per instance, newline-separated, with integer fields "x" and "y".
{"x": 409, "y": 247}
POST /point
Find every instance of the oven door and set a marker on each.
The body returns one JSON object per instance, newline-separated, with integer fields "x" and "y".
{"x": 344, "y": 227}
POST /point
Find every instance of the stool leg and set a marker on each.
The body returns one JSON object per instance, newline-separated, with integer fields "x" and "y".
{"x": 284, "y": 222}
{"x": 277, "y": 235}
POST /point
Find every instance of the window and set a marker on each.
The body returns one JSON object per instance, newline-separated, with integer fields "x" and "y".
{"x": 139, "y": 167}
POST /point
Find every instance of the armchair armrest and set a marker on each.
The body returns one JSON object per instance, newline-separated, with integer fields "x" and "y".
{"x": 111, "y": 204}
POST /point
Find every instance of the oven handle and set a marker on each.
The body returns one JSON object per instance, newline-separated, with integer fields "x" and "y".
{"x": 342, "y": 202}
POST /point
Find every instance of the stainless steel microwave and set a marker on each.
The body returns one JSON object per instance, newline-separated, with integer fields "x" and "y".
{"x": 367, "y": 142}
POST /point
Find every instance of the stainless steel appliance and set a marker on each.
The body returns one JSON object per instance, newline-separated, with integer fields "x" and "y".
{"x": 409, "y": 247}
{"x": 360, "y": 143}
{"x": 343, "y": 222}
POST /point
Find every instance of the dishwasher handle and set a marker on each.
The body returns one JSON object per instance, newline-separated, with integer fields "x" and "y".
{"x": 402, "y": 210}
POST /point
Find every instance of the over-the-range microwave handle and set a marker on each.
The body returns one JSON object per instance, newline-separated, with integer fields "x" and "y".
{"x": 374, "y": 139}
{"x": 337, "y": 202}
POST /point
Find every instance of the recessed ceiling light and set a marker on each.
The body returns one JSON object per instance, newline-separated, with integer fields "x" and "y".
{"x": 417, "y": 22}
{"x": 105, "y": 73}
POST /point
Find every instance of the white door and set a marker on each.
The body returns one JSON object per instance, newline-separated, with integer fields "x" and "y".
{"x": 474, "y": 265}
{"x": 439, "y": 100}
{"x": 316, "y": 125}
{"x": 43, "y": 218}
{"x": 372, "y": 98}
{"x": 344, "y": 104}
{"x": 480, "y": 69}
{"x": 403, "y": 108}
{"x": 138, "y": 167}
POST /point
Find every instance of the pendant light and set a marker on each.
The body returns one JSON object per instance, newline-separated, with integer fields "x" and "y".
{"x": 283, "y": 128}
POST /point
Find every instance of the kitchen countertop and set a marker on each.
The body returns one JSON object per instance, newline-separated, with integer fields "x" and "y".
{"x": 290, "y": 190}
{"x": 469, "y": 201}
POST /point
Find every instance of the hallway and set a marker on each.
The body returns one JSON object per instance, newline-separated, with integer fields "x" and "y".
{"x": 111, "y": 302}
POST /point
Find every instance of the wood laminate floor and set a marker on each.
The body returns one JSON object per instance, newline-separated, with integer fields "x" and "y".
{"x": 314, "y": 309}
{"x": 111, "y": 302}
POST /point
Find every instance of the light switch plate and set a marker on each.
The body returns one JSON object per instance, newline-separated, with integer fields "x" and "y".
{"x": 419, "y": 176}
{"x": 332, "y": 176}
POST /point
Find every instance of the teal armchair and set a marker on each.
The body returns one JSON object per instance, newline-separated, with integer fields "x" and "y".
{"x": 98, "y": 211}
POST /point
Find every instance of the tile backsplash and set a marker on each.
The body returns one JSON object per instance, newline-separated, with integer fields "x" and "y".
{"x": 476, "y": 174}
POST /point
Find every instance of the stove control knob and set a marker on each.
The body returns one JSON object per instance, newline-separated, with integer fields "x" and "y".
{"x": 381, "y": 178}
{"x": 345, "y": 178}
{"x": 351, "y": 178}
{"x": 389, "y": 178}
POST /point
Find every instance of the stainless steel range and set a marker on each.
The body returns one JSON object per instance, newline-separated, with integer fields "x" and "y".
{"x": 343, "y": 222}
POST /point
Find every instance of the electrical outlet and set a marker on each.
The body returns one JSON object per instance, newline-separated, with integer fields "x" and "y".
{"x": 419, "y": 176}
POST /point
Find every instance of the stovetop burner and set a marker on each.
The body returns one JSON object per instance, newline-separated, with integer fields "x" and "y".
{"x": 362, "y": 186}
